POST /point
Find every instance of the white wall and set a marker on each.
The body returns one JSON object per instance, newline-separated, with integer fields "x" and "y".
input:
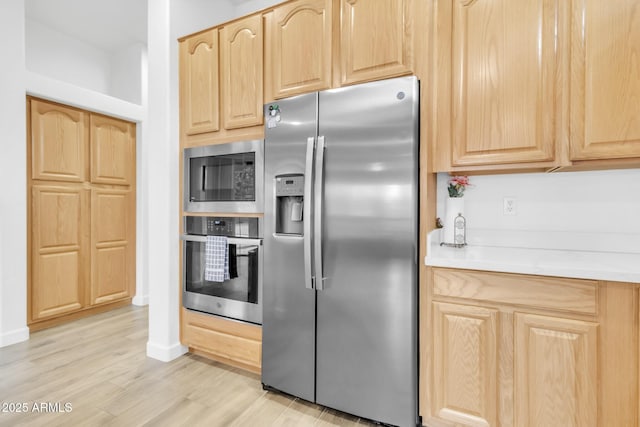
{"x": 251, "y": 6}
{"x": 128, "y": 73}
{"x": 13, "y": 163}
{"x": 57, "y": 56}
{"x": 597, "y": 210}
{"x": 65, "y": 58}
{"x": 190, "y": 16}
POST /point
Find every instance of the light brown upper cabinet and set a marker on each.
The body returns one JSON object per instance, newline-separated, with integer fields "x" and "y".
{"x": 495, "y": 69}
{"x": 241, "y": 69}
{"x": 221, "y": 83}
{"x": 375, "y": 39}
{"x": 605, "y": 79}
{"x": 299, "y": 47}
{"x": 112, "y": 150}
{"x": 59, "y": 137}
{"x": 199, "y": 92}
{"x": 536, "y": 84}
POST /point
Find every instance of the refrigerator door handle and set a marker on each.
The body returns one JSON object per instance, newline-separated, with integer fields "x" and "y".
{"x": 306, "y": 213}
{"x": 318, "y": 195}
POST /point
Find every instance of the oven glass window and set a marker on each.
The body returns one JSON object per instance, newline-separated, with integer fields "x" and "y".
{"x": 243, "y": 272}
{"x": 223, "y": 178}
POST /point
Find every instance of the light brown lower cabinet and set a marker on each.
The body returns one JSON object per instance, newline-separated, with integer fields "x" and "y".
{"x": 517, "y": 350}
{"x": 82, "y": 254}
{"x": 113, "y": 274}
{"x": 228, "y": 341}
{"x": 59, "y": 249}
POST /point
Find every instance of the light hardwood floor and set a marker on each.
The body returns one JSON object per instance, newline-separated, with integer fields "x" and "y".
{"x": 98, "y": 365}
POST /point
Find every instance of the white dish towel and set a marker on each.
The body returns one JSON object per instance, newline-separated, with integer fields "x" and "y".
{"x": 217, "y": 259}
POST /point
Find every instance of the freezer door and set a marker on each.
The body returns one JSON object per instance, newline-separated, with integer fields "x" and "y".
{"x": 288, "y": 323}
{"x": 367, "y": 312}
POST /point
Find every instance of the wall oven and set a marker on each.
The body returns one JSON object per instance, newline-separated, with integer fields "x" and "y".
{"x": 237, "y": 293}
{"x": 224, "y": 177}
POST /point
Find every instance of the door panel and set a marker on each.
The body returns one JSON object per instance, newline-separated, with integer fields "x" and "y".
{"x": 605, "y": 79}
{"x": 376, "y": 39}
{"x": 59, "y": 142}
{"x": 199, "y": 91}
{"x": 112, "y": 151}
{"x": 367, "y": 314}
{"x": 299, "y": 47}
{"x": 465, "y": 364}
{"x": 111, "y": 249}
{"x": 498, "y": 102}
{"x": 241, "y": 69}
{"x": 561, "y": 352}
{"x": 59, "y": 245}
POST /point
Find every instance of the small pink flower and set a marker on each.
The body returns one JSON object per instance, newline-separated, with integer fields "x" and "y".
{"x": 457, "y": 185}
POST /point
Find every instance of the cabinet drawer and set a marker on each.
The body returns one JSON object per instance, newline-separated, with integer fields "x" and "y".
{"x": 573, "y": 295}
{"x": 227, "y": 339}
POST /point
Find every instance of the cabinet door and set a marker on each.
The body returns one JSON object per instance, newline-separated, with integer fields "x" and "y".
{"x": 496, "y": 76}
{"x": 376, "y": 39}
{"x": 112, "y": 151}
{"x": 464, "y": 364}
{"x": 59, "y": 140}
{"x": 59, "y": 262}
{"x": 555, "y": 371}
{"x": 299, "y": 48}
{"x": 199, "y": 94}
{"x": 112, "y": 254}
{"x": 605, "y": 79}
{"x": 241, "y": 65}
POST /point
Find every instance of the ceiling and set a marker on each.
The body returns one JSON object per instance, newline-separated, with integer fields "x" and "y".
{"x": 108, "y": 25}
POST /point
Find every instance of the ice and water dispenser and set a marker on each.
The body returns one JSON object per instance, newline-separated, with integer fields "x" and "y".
{"x": 289, "y": 202}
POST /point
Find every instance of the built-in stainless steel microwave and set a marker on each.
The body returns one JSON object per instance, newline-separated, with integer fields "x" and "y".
{"x": 224, "y": 177}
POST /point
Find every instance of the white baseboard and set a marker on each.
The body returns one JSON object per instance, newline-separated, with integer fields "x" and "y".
{"x": 165, "y": 354}
{"x": 140, "y": 300}
{"x": 14, "y": 337}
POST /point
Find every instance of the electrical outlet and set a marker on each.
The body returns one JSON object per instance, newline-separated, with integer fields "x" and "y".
{"x": 509, "y": 206}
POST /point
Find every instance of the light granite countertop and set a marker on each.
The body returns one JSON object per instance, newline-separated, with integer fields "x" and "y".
{"x": 572, "y": 262}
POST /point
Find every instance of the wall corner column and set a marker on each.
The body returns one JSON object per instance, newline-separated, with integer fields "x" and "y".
{"x": 13, "y": 169}
{"x": 161, "y": 187}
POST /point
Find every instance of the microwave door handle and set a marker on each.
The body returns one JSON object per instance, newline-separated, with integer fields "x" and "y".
{"x": 306, "y": 213}
{"x": 204, "y": 177}
{"x": 318, "y": 194}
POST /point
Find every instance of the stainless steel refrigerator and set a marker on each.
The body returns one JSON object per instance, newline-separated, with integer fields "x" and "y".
{"x": 340, "y": 249}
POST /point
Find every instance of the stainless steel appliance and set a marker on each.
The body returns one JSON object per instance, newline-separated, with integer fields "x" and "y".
{"x": 341, "y": 243}
{"x": 224, "y": 177}
{"x": 239, "y": 296}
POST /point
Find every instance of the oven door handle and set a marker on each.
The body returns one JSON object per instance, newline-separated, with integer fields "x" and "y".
{"x": 231, "y": 240}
